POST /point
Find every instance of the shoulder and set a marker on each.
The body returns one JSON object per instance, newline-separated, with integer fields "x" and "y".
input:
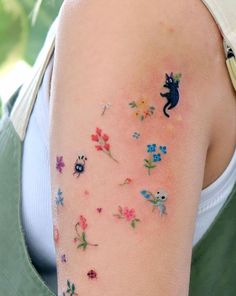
{"x": 151, "y": 37}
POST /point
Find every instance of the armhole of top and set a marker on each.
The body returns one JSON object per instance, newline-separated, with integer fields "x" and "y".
{"x": 224, "y": 13}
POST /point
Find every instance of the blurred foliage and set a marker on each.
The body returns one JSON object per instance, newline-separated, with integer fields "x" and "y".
{"x": 1, "y": 108}
{"x": 23, "y": 28}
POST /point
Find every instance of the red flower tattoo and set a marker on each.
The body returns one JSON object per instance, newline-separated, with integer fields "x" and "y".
{"x": 81, "y": 236}
{"x": 127, "y": 181}
{"x": 83, "y": 222}
{"x": 92, "y": 274}
{"x": 102, "y": 143}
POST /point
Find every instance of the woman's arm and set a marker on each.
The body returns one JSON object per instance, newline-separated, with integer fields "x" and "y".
{"x": 126, "y": 178}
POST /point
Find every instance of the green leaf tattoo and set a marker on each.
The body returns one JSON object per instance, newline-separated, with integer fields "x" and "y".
{"x": 81, "y": 236}
{"x": 70, "y": 290}
{"x": 149, "y": 164}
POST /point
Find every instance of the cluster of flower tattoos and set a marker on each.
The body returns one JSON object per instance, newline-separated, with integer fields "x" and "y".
{"x": 155, "y": 154}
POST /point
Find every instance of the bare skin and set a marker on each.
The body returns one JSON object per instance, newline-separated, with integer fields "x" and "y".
{"x": 118, "y": 51}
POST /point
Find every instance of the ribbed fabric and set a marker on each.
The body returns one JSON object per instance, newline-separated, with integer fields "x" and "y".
{"x": 213, "y": 198}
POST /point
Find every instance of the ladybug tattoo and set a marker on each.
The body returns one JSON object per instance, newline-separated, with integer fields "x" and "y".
{"x": 79, "y": 166}
{"x": 92, "y": 274}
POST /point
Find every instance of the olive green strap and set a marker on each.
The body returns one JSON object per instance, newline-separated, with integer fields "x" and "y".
{"x": 24, "y": 104}
{"x": 231, "y": 65}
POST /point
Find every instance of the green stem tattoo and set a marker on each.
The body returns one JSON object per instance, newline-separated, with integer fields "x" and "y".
{"x": 81, "y": 239}
{"x": 149, "y": 164}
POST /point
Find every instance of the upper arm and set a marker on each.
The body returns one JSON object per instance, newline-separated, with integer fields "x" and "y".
{"x": 113, "y": 54}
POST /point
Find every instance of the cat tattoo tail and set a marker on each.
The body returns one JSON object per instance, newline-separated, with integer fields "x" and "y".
{"x": 172, "y": 84}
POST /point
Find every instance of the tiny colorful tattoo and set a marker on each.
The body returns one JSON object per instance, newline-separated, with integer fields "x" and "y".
{"x": 102, "y": 143}
{"x": 105, "y": 107}
{"x": 136, "y": 135}
{"x": 127, "y": 214}
{"x": 172, "y": 84}
{"x": 60, "y": 164}
{"x": 155, "y": 155}
{"x": 59, "y": 198}
{"x": 81, "y": 237}
{"x": 63, "y": 258}
{"x": 70, "y": 290}
{"x": 55, "y": 234}
{"x": 79, "y": 166}
{"x": 127, "y": 181}
{"x": 92, "y": 274}
{"x": 142, "y": 109}
{"x": 99, "y": 210}
{"x": 157, "y": 199}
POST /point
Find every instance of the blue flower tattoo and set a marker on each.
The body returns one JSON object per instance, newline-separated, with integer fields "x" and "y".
{"x": 151, "y": 148}
{"x": 155, "y": 155}
{"x": 59, "y": 198}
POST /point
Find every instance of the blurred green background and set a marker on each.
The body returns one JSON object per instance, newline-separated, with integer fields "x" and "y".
{"x": 23, "y": 28}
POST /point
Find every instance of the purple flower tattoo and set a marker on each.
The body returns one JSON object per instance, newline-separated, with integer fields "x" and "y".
{"x": 60, "y": 164}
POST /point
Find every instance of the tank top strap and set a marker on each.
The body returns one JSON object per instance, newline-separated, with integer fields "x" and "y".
{"x": 24, "y": 104}
{"x": 224, "y": 13}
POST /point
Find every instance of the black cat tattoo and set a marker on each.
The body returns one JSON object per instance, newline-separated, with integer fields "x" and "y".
{"x": 172, "y": 83}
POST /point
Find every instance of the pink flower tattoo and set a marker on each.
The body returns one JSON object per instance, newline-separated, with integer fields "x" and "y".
{"x": 55, "y": 234}
{"x": 128, "y": 214}
{"x": 81, "y": 237}
{"x": 60, "y": 164}
{"x": 83, "y": 222}
{"x": 102, "y": 143}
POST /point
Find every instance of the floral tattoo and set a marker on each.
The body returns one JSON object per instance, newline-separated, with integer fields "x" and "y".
{"x": 81, "y": 238}
{"x": 70, "y": 291}
{"x": 79, "y": 166}
{"x": 127, "y": 181}
{"x": 63, "y": 258}
{"x": 136, "y": 135}
{"x": 157, "y": 199}
{"x": 55, "y": 233}
{"x": 102, "y": 143}
{"x": 59, "y": 198}
{"x": 142, "y": 109}
{"x": 105, "y": 107}
{"x": 127, "y": 214}
{"x": 92, "y": 274}
{"x": 155, "y": 155}
{"x": 172, "y": 84}
{"x": 60, "y": 164}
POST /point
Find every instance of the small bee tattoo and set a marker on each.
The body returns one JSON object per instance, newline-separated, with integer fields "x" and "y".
{"x": 79, "y": 166}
